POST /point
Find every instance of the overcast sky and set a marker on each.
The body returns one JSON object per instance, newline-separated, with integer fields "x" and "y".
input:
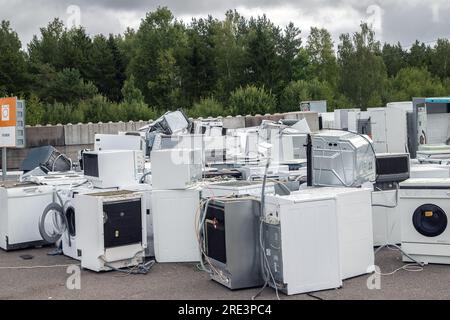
{"x": 394, "y": 20}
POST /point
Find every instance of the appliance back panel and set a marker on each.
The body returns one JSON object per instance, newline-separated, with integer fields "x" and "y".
{"x": 123, "y": 223}
{"x": 272, "y": 241}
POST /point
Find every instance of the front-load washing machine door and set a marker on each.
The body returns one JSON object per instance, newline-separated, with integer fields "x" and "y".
{"x": 429, "y": 220}
{"x": 425, "y": 220}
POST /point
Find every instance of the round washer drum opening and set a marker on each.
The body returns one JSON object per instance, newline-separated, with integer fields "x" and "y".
{"x": 429, "y": 220}
{"x": 70, "y": 215}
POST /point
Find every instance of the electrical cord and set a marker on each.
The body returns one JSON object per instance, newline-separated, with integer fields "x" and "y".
{"x": 141, "y": 268}
{"x": 38, "y": 267}
{"x": 410, "y": 267}
{"x": 416, "y": 266}
{"x": 267, "y": 272}
{"x": 282, "y": 185}
{"x": 145, "y": 175}
{"x": 200, "y": 230}
{"x": 312, "y": 295}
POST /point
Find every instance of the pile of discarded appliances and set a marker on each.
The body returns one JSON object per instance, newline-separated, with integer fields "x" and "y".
{"x": 277, "y": 205}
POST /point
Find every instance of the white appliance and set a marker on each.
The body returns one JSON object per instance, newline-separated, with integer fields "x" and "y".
{"x": 354, "y": 217}
{"x": 67, "y": 186}
{"x": 386, "y": 218}
{"x": 22, "y": 206}
{"x": 389, "y": 130}
{"x": 174, "y": 226}
{"x": 429, "y": 171}
{"x": 69, "y": 237}
{"x": 257, "y": 172}
{"x": 407, "y": 106}
{"x": 292, "y": 147}
{"x": 327, "y": 120}
{"x": 175, "y": 168}
{"x": 424, "y": 205}
{"x": 213, "y": 148}
{"x": 315, "y": 106}
{"x": 422, "y": 125}
{"x": 236, "y": 188}
{"x": 119, "y": 142}
{"x": 301, "y": 242}
{"x": 59, "y": 179}
{"x": 208, "y": 127}
{"x": 111, "y": 229}
{"x": 341, "y": 118}
{"x": 359, "y": 121}
{"x": 113, "y": 168}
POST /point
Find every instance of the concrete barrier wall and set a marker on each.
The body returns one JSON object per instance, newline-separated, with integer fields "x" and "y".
{"x": 70, "y": 138}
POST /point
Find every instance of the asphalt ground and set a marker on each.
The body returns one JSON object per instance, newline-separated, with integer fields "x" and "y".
{"x": 185, "y": 281}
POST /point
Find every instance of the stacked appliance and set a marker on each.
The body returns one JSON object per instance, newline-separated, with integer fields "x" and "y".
{"x": 113, "y": 168}
{"x": 424, "y": 205}
{"x": 391, "y": 170}
{"x": 111, "y": 229}
{"x": 430, "y": 126}
{"x": 388, "y": 129}
{"x": 119, "y": 142}
{"x": 359, "y": 121}
{"x": 176, "y": 203}
{"x": 176, "y": 168}
{"x": 22, "y": 206}
{"x": 341, "y": 158}
{"x": 341, "y": 118}
{"x": 316, "y": 106}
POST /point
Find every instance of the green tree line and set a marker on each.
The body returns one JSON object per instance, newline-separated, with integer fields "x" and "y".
{"x": 210, "y": 67}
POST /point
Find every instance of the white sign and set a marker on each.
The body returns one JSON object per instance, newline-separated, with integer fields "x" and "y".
{"x": 8, "y": 136}
{"x": 5, "y": 113}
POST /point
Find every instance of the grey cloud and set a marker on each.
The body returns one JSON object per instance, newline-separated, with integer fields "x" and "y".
{"x": 404, "y": 20}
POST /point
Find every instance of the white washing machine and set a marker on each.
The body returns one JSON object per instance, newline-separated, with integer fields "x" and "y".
{"x": 68, "y": 238}
{"x": 424, "y": 205}
{"x": 67, "y": 194}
